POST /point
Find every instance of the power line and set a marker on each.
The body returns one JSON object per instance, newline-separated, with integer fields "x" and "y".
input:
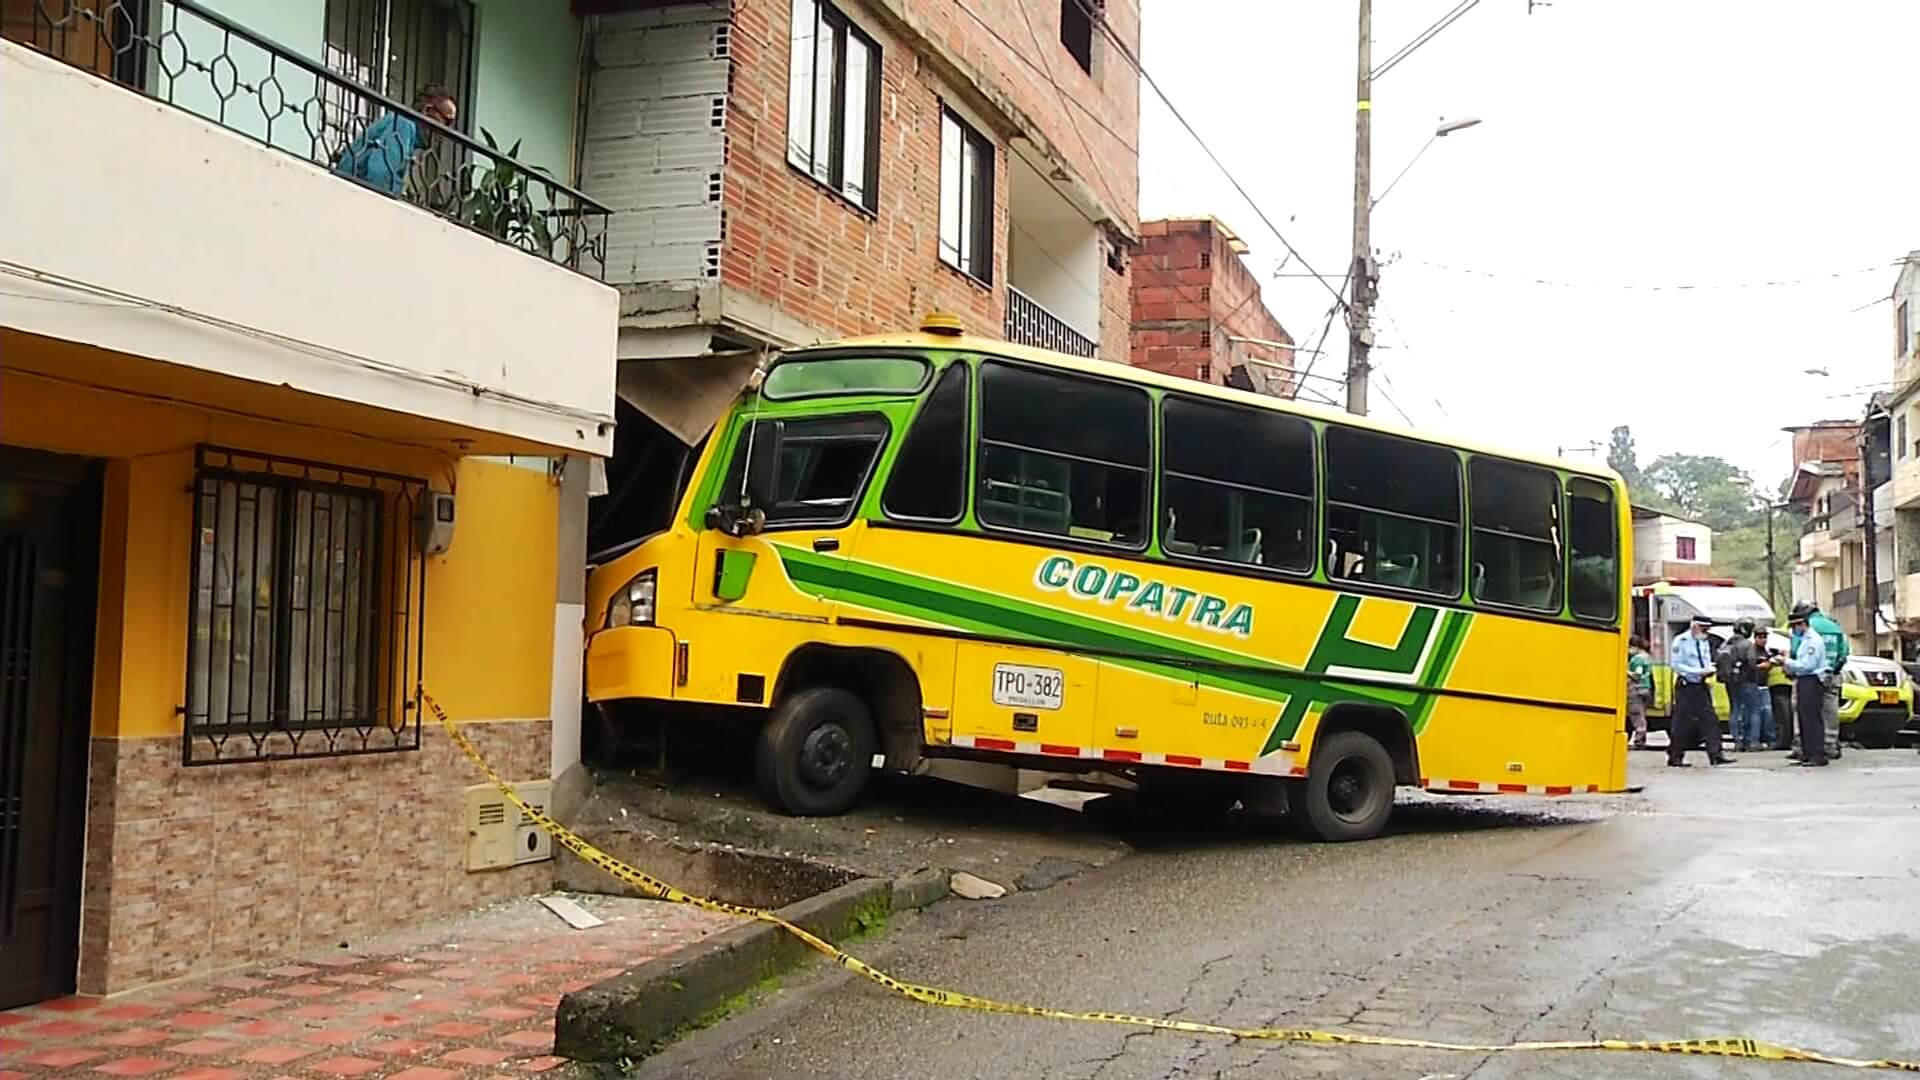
{"x": 1100, "y": 20}
{"x": 1046, "y": 72}
{"x": 1629, "y": 286}
{"x": 1401, "y": 333}
{"x": 1396, "y": 405}
{"x": 1423, "y": 37}
{"x": 1015, "y": 52}
{"x": 1314, "y": 356}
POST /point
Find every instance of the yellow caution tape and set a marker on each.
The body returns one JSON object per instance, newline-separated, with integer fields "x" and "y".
{"x": 932, "y": 995}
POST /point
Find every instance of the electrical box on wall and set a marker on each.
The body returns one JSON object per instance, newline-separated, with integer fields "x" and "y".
{"x": 436, "y": 522}
{"x": 499, "y": 833}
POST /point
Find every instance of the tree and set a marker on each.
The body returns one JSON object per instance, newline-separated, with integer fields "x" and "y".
{"x": 1620, "y": 456}
{"x": 1706, "y": 488}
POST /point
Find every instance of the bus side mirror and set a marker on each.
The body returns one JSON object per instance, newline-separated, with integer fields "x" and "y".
{"x": 744, "y": 514}
{"x": 763, "y": 465}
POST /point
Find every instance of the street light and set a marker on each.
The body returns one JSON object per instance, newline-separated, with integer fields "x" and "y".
{"x": 1446, "y": 128}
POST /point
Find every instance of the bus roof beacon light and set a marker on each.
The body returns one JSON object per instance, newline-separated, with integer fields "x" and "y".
{"x": 944, "y": 323}
{"x": 435, "y": 522}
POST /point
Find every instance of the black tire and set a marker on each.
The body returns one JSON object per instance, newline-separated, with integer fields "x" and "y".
{"x": 1348, "y": 793}
{"x": 815, "y": 753}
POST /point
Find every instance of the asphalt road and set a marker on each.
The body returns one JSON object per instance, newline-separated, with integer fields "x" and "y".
{"x": 1753, "y": 899}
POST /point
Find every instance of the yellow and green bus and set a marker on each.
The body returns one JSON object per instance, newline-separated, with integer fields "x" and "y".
{"x": 935, "y": 545}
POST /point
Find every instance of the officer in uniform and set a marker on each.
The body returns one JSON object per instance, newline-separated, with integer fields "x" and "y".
{"x": 1694, "y": 722}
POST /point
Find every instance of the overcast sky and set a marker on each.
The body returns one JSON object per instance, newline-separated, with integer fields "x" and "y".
{"x": 1625, "y": 142}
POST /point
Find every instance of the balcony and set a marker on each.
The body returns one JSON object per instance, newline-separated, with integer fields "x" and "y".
{"x": 172, "y": 198}
{"x": 1028, "y": 323}
{"x": 1055, "y": 266}
{"x": 192, "y": 58}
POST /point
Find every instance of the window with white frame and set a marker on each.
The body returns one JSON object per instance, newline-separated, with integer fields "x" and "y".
{"x": 833, "y": 103}
{"x": 966, "y": 198}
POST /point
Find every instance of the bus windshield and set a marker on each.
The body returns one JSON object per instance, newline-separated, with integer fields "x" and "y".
{"x": 801, "y": 378}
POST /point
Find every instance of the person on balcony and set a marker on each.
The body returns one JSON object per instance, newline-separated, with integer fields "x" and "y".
{"x": 382, "y": 156}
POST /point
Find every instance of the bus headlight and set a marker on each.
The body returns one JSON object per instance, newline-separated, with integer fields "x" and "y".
{"x": 633, "y": 604}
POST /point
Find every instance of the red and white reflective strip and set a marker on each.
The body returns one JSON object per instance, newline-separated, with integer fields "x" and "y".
{"x": 1273, "y": 765}
{"x": 1478, "y": 788}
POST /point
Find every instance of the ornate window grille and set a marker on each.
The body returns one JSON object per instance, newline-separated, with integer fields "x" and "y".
{"x": 306, "y": 614}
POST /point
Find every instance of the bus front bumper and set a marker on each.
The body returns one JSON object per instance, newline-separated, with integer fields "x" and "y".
{"x": 630, "y": 662}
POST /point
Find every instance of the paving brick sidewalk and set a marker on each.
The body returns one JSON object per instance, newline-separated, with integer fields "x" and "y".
{"x": 468, "y": 996}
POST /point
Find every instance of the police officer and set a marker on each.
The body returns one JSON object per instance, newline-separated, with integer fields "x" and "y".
{"x": 1834, "y": 640}
{"x": 1693, "y": 721}
{"x": 1808, "y": 666}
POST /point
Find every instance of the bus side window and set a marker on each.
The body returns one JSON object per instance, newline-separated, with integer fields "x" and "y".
{"x": 1393, "y": 511}
{"x": 1516, "y": 534}
{"x": 1593, "y": 551}
{"x": 1236, "y": 484}
{"x": 929, "y": 477}
{"x": 1063, "y": 455}
{"x": 824, "y": 463}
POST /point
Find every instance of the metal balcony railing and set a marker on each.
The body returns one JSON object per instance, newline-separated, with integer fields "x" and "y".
{"x": 199, "y": 61}
{"x": 1848, "y": 597}
{"x": 1029, "y": 323}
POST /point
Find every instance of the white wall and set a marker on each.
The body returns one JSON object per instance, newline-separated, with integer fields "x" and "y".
{"x": 162, "y": 235}
{"x": 1053, "y": 252}
{"x": 1657, "y": 540}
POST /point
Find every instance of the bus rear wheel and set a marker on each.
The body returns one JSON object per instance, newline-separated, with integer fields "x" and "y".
{"x": 815, "y": 753}
{"x": 1348, "y": 792}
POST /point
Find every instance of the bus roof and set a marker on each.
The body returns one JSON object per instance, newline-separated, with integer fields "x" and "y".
{"x": 1109, "y": 369}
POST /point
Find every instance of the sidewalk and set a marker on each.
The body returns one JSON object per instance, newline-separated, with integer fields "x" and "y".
{"x": 468, "y": 996}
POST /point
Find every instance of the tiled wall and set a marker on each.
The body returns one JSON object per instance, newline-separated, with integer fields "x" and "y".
{"x": 192, "y": 870}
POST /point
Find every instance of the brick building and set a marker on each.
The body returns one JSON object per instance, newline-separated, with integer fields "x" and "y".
{"x": 783, "y": 173}
{"x": 1197, "y": 311}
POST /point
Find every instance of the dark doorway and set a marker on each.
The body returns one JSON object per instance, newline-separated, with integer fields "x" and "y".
{"x": 646, "y": 473}
{"x": 49, "y": 551}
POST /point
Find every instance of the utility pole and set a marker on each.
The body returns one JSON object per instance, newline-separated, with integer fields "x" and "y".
{"x": 1871, "y": 548}
{"x": 1360, "y": 275}
{"x": 1773, "y": 579}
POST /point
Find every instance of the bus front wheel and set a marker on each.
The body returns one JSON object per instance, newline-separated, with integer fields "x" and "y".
{"x": 815, "y": 752}
{"x": 1348, "y": 792}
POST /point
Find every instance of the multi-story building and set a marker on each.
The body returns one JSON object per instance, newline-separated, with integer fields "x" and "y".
{"x": 1903, "y": 406}
{"x": 1828, "y": 473}
{"x": 292, "y": 279}
{"x": 1668, "y": 547}
{"x": 1197, "y": 311}
{"x": 299, "y": 391}
{"x": 789, "y": 171}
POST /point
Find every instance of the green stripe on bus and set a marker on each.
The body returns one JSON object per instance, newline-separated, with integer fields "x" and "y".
{"x": 956, "y": 607}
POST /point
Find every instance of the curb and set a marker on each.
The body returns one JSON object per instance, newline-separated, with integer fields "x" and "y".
{"x": 635, "y": 1014}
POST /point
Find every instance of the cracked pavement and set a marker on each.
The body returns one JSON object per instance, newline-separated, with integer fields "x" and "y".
{"x": 1755, "y": 899}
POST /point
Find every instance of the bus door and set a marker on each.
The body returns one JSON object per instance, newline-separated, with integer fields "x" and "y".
{"x": 794, "y": 482}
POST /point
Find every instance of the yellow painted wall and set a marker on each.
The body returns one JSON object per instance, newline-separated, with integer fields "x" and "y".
{"x": 490, "y": 599}
{"x": 489, "y": 602}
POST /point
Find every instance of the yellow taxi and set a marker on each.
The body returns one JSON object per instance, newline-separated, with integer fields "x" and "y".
{"x": 1876, "y": 700}
{"x": 1876, "y": 696}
